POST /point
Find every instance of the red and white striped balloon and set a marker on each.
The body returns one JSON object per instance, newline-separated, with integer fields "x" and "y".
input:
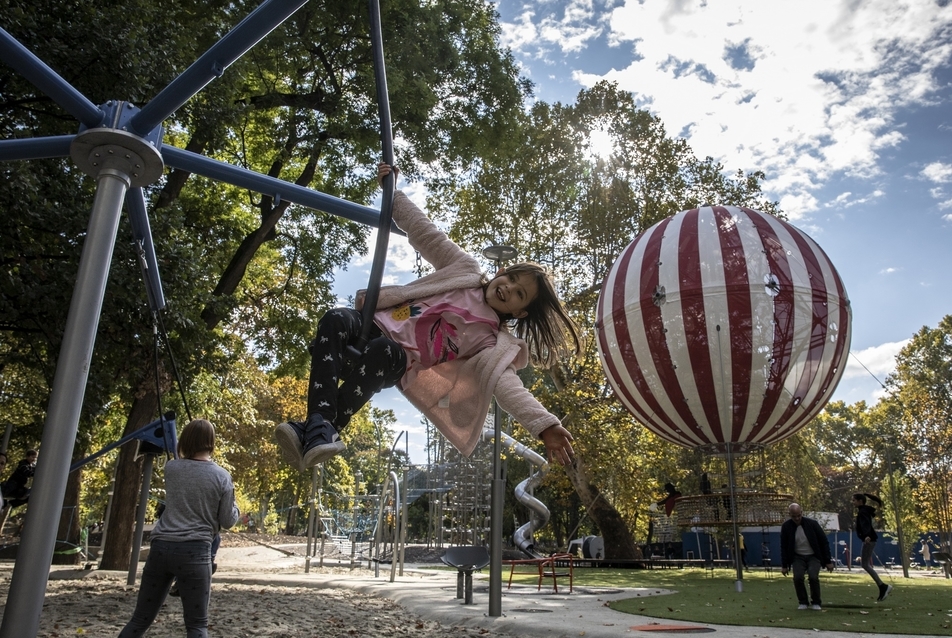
{"x": 723, "y": 325}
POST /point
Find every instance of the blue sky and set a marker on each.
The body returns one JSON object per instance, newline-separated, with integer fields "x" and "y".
{"x": 846, "y": 106}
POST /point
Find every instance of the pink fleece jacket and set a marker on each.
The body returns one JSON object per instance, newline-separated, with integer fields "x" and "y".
{"x": 456, "y": 395}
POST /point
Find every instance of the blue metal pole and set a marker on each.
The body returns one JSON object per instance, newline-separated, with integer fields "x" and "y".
{"x": 35, "y": 148}
{"x": 142, "y": 234}
{"x": 212, "y": 63}
{"x": 389, "y": 182}
{"x": 46, "y": 79}
{"x": 279, "y": 189}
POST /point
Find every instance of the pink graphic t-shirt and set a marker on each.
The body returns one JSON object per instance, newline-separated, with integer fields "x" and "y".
{"x": 437, "y": 329}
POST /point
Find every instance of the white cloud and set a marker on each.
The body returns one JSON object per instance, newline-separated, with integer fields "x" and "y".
{"x": 570, "y": 32}
{"x": 938, "y": 172}
{"x": 880, "y": 361}
{"x": 801, "y": 89}
{"x": 946, "y": 204}
{"x": 797, "y": 205}
{"x": 888, "y": 271}
{"x": 846, "y": 200}
{"x": 519, "y": 34}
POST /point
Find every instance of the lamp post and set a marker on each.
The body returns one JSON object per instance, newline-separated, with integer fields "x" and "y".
{"x": 497, "y": 254}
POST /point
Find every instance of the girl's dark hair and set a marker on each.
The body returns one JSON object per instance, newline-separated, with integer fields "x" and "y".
{"x": 197, "y": 437}
{"x": 547, "y": 328}
{"x": 860, "y": 497}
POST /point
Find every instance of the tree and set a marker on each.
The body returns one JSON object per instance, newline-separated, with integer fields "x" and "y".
{"x": 921, "y": 401}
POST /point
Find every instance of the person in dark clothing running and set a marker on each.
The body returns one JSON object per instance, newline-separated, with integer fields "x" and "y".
{"x": 804, "y": 547}
{"x": 866, "y": 533}
{"x": 15, "y": 491}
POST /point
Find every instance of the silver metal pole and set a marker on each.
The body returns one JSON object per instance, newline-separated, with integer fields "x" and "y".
{"x": 404, "y": 518}
{"x": 738, "y": 565}
{"x": 395, "y": 481}
{"x": 140, "y": 518}
{"x": 726, "y": 405}
{"x": 311, "y": 520}
{"x": 31, "y": 572}
{"x": 378, "y": 528}
{"x": 495, "y": 524}
{"x": 497, "y": 254}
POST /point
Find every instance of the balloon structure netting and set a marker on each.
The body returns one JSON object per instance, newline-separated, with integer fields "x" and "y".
{"x": 753, "y": 509}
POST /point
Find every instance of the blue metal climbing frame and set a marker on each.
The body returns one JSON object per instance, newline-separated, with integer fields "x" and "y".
{"x": 120, "y": 145}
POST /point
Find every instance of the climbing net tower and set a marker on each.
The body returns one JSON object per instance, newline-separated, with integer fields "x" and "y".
{"x": 466, "y": 511}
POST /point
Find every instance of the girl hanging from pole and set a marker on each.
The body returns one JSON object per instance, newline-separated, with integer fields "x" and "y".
{"x": 445, "y": 341}
{"x": 867, "y": 534}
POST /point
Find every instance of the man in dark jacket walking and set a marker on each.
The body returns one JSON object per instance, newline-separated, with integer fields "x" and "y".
{"x": 804, "y": 547}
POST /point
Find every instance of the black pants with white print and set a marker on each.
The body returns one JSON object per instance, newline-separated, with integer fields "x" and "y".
{"x": 337, "y": 387}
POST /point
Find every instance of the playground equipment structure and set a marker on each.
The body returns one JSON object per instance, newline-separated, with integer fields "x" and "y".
{"x": 719, "y": 513}
{"x": 121, "y": 146}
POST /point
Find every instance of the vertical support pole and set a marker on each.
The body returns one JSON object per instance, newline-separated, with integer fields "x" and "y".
{"x": 31, "y": 572}
{"x": 726, "y": 419}
{"x": 140, "y": 518}
{"x": 495, "y": 524}
{"x": 468, "y": 587}
{"x": 312, "y": 520}
{"x": 404, "y": 518}
{"x": 395, "y": 481}
{"x": 738, "y": 565}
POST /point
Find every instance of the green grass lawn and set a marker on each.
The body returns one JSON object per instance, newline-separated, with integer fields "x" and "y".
{"x": 921, "y": 606}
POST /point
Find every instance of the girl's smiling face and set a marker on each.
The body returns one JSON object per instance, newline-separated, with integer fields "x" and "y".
{"x": 511, "y": 294}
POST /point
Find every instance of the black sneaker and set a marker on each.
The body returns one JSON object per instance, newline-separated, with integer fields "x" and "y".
{"x": 290, "y": 437}
{"x": 321, "y": 441}
{"x": 884, "y": 590}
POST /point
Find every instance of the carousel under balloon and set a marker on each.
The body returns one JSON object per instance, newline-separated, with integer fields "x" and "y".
{"x": 723, "y": 325}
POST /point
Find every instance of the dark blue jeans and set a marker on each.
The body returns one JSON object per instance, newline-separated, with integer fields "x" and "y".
{"x": 809, "y": 566}
{"x": 191, "y": 564}
{"x": 867, "y": 562}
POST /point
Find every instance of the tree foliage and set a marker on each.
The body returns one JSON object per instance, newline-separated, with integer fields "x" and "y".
{"x": 920, "y": 403}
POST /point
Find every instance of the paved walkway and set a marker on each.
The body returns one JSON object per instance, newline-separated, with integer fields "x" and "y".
{"x": 431, "y": 594}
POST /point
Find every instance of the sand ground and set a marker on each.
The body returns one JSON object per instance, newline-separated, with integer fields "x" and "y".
{"x": 99, "y": 603}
